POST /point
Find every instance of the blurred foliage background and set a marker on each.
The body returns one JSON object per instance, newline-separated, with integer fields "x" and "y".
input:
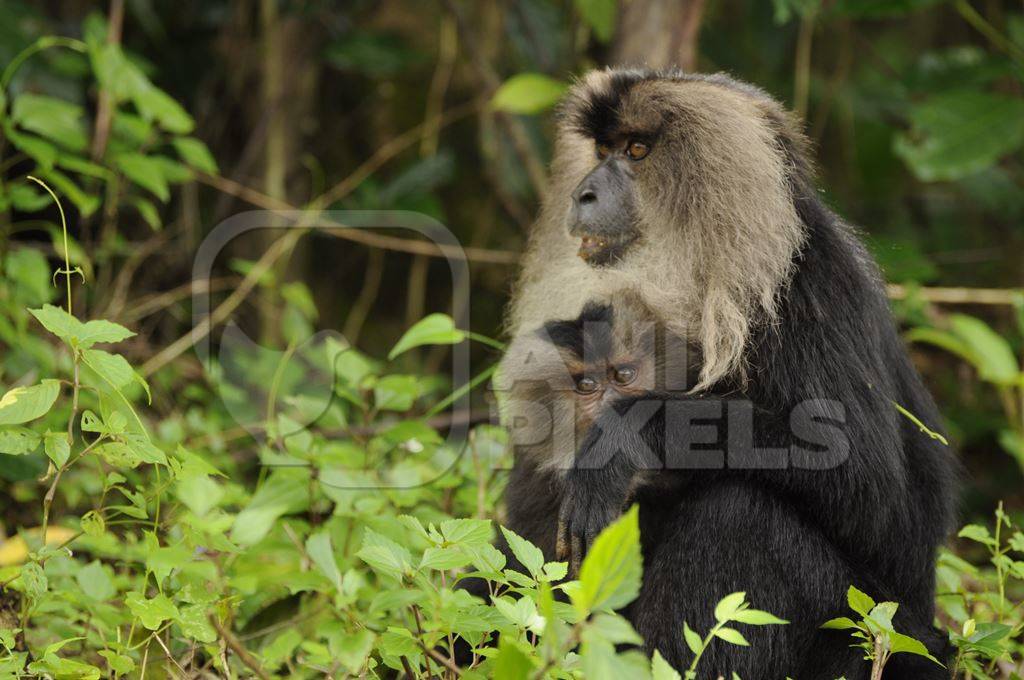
{"x": 154, "y": 121}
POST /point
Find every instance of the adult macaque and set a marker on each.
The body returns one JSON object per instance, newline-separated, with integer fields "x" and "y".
{"x": 695, "y": 194}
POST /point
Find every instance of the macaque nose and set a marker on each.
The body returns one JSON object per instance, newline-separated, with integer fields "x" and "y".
{"x": 602, "y": 204}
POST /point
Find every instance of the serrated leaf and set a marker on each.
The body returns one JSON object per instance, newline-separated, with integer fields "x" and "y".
{"x": 58, "y": 322}
{"x": 384, "y": 555}
{"x": 444, "y": 558}
{"x": 529, "y": 555}
{"x": 528, "y": 93}
{"x": 113, "y": 368}
{"x": 23, "y": 404}
{"x": 610, "y": 574}
{"x": 859, "y": 602}
{"x": 661, "y": 670}
{"x": 977, "y": 533}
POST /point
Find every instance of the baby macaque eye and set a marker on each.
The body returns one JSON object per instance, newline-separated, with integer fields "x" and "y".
{"x": 603, "y": 150}
{"x": 623, "y": 375}
{"x": 587, "y": 385}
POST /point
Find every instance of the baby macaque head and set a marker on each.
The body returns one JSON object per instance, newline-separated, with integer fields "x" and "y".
{"x": 562, "y": 377}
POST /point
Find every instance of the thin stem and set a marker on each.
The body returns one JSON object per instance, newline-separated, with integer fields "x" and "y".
{"x": 44, "y": 43}
{"x": 64, "y": 229}
{"x": 460, "y": 392}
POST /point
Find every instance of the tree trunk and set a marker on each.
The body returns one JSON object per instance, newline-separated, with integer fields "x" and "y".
{"x": 658, "y": 33}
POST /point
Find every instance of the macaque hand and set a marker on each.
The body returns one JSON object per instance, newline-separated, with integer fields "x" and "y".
{"x": 587, "y": 508}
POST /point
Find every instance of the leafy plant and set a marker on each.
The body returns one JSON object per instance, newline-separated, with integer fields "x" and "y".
{"x": 875, "y": 632}
{"x": 732, "y": 608}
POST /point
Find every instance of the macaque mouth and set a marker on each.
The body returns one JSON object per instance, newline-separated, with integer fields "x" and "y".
{"x": 605, "y": 249}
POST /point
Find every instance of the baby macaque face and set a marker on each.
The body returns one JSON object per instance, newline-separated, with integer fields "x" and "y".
{"x": 601, "y": 382}
{"x": 561, "y": 379}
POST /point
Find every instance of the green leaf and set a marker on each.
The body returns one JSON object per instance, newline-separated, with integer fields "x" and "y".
{"x": 92, "y": 524}
{"x": 908, "y": 645}
{"x": 859, "y": 602}
{"x": 320, "y": 551}
{"x": 39, "y": 150}
{"x": 57, "y": 447}
{"x": 600, "y": 16}
{"x": 194, "y": 623}
{"x": 119, "y": 663}
{"x": 52, "y": 118}
{"x": 102, "y": 331}
{"x": 957, "y": 133}
{"x": 610, "y": 574}
{"x": 728, "y": 606}
{"x": 148, "y": 212}
{"x": 151, "y": 612}
{"x": 841, "y": 623}
{"x": 881, "y": 615}
{"x": 155, "y": 104}
{"x": 161, "y": 561}
{"x": 756, "y": 617}
{"x": 528, "y": 93}
{"x": 23, "y": 404}
{"x": 527, "y": 553}
{"x": 396, "y": 392}
{"x": 661, "y": 670}
{"x": 693, "y": 640}
{"x": 993, "y": 355}
{"x": 17, "y": 441}
{"x": 195, "y": 153}
{"x": 58, "y": 322}
{"x": 33, "y": 580}
{"x": 977, "y": 533}
{"x": 384, "y": 555}
{"x": 732, "y": 636}
{"x": 63, "y": 185}
{"x": 444, "y": 558}
{"x": 113, "y": 368}
{"x": 281, "y": 494}
{"x": 435, "y": 329}
{"x": 95, "y": 582}
{"x": 512, "y": 662}
{"x": 144, "y": 171}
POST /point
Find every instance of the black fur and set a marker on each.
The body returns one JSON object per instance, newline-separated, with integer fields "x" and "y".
{"x": 794, "y": 538}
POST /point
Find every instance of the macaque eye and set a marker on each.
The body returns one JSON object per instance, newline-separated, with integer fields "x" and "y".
{"x": 586, "y": 385}
{"x": 623, "y": 375}
{"x": 637, "y": 150}
{"x": 603, "y": 150}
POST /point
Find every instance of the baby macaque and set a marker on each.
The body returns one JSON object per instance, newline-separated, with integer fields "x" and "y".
{"x": 563, "y": 377}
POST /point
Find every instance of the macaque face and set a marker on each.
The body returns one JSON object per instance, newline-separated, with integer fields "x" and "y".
{"x": 598, "y": 384}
